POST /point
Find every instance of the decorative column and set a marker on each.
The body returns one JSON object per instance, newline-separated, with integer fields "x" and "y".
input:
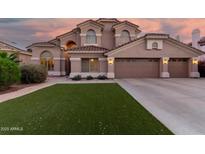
{"x": 164, "y": 61}
{"x": 193, "y": 68}
{"x": 111, "y": 67}
{"x": 75, "y": 67}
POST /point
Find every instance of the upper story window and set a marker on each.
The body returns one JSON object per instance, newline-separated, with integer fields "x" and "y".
{"x": 154, "y": 45}
{"x": 46, "y": 59}
{"x": 91, "y": 37}
{"x": 125, "y": 36}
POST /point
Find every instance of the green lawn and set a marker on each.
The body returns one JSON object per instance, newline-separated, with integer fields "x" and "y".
{"x": 78, "y": 109}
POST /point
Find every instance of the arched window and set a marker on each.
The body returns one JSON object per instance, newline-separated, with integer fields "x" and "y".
{"x": 125, "y": 36}
{"x": 47, "y": 60}
{"x": 154, "y": 45}
{"x": 91, "y": 37}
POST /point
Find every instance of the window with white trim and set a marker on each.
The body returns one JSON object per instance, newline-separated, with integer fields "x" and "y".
{"x": 91, "y": 37}
{"x": 125, "y": 36}
{"x": 90, "y": 65}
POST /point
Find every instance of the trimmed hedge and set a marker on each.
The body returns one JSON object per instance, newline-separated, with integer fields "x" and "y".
{"x": 9, "y": 73}
{"x": 77, "y": 78}
{"x": 102, "y": 77}
{"x": 33, "y": 73}
{"x": 89, "y": 77}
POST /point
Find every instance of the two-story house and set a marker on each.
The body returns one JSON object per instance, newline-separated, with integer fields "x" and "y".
{"x": 113, "y": 48}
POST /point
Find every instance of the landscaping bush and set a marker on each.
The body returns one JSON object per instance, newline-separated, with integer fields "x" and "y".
{"x": 33, "y": 73}
{"x": 101, "y": 77}
{"x": 77, "y": 78}
{"x": 9, "y": 73}
{"x": 89, "y": 77}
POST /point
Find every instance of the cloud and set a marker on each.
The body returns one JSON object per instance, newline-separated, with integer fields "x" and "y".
{"x": 25, "y": 31}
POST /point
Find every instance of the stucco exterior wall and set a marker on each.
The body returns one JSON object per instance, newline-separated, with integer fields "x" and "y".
{"x": 108, "y": 39}
{"x": 76, "y": 65}
{"x": 118, "y": 31}
{"x": 24, "y": 58}
{"x": 75, "y": 37}
{"x": 138, "y": 50}
{"x": 97, "y": 30}
{"x": 59, "y": 66}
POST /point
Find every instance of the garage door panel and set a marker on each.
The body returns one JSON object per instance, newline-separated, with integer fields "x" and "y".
{"x": 178, "y": 67}
{"x": 136, "y": 68}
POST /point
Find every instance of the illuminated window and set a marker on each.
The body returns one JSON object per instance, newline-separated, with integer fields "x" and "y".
{"x": 125, "y": 36}
{"x": 91, "y": 37}
{"x": 90, "y": 65}
{"x": 47, "y": 60}
{"x": 154, "y": 45}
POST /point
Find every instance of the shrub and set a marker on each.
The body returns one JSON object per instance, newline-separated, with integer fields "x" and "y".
{"x": 77, "y": 78}
{"x": 101, "y": 77}
{"x": 9, "y": 73}
{"x": 89, "y": 77}
{"x": 33, "y": 73}
{"x": 13, "y": 56}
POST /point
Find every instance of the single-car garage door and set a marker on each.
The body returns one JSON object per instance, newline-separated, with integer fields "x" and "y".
{"x": 136, "y": 68}
{"x": 178, "y": 67}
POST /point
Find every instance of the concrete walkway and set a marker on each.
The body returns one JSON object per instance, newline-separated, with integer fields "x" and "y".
{"x": 49, "y": 82}
{"x": 178, "y": 103}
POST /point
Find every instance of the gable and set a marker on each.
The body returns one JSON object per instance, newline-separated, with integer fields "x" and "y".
{"x": 90, "y": 24}
{"x": 138, "y": 49}
{"x": 5, "y": 46}
{"x": 132, "y": 28}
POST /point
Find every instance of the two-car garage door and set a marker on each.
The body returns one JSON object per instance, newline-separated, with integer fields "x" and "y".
{"x": 136, "y": 68}
{"x": 149, "y": 68}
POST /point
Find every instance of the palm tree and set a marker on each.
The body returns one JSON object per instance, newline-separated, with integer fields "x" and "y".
{"x": 13, "y": 56}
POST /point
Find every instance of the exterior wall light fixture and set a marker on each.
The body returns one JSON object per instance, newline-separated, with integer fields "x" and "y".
{"x": 195, "y": 61}
{"x": 110, "y": 61}
{"x": 165, "y": 60}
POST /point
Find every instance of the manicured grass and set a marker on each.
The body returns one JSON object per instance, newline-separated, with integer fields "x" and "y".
{"x": 78, "y": 109}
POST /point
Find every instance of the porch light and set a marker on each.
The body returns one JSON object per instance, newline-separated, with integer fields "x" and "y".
{"x": 195, "y": 61}
{"x": 110, "y": 61}
{"x": 165, "y": 60}
{"x": 92, "y": 60}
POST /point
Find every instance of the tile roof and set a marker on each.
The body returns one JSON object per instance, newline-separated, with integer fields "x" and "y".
{"x": 126, "y": 22}
{"x": 88, "y": 48}
{"x": 40, "y": 44}
{"x": 6, "y": 46}
{"x": 202, "y": 41}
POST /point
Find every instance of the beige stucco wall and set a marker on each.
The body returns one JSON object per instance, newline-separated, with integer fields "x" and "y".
{"x": 59, "y": 64}
{"x": 108, "y": 39}
{"x": 97, "y": 30}
{"x": 138, "y": 50}
{"x": 118, "y": 31}
{"x": 169, "y": 50}
{"x": 75, "y": 37}
{"x": 76, "y": 65}
{"x": 25, "y": 58}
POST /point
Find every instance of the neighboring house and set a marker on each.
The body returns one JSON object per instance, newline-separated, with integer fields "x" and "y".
{"x": 198, "y": 42}
{"x": 113, "y": 48}
{"x": 23, "y": 56}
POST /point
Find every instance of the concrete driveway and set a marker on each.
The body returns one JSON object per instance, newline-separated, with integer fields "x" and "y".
{"x": 177, "y": 103}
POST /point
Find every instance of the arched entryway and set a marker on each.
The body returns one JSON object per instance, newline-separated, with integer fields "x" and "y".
{"x": 69, "y": 44}
{"x": 46, "y": 59}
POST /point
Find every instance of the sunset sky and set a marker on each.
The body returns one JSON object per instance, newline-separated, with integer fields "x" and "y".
{"x": 23, "y": 32}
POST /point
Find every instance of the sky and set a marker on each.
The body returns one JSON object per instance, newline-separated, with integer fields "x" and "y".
{"x": 23, "y": 32}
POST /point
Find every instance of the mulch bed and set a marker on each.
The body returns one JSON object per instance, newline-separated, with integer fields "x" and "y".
{"x": 16, "y": 87}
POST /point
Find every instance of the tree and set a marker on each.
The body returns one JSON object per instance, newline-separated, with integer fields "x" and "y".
{"x": 13, "y": 56}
